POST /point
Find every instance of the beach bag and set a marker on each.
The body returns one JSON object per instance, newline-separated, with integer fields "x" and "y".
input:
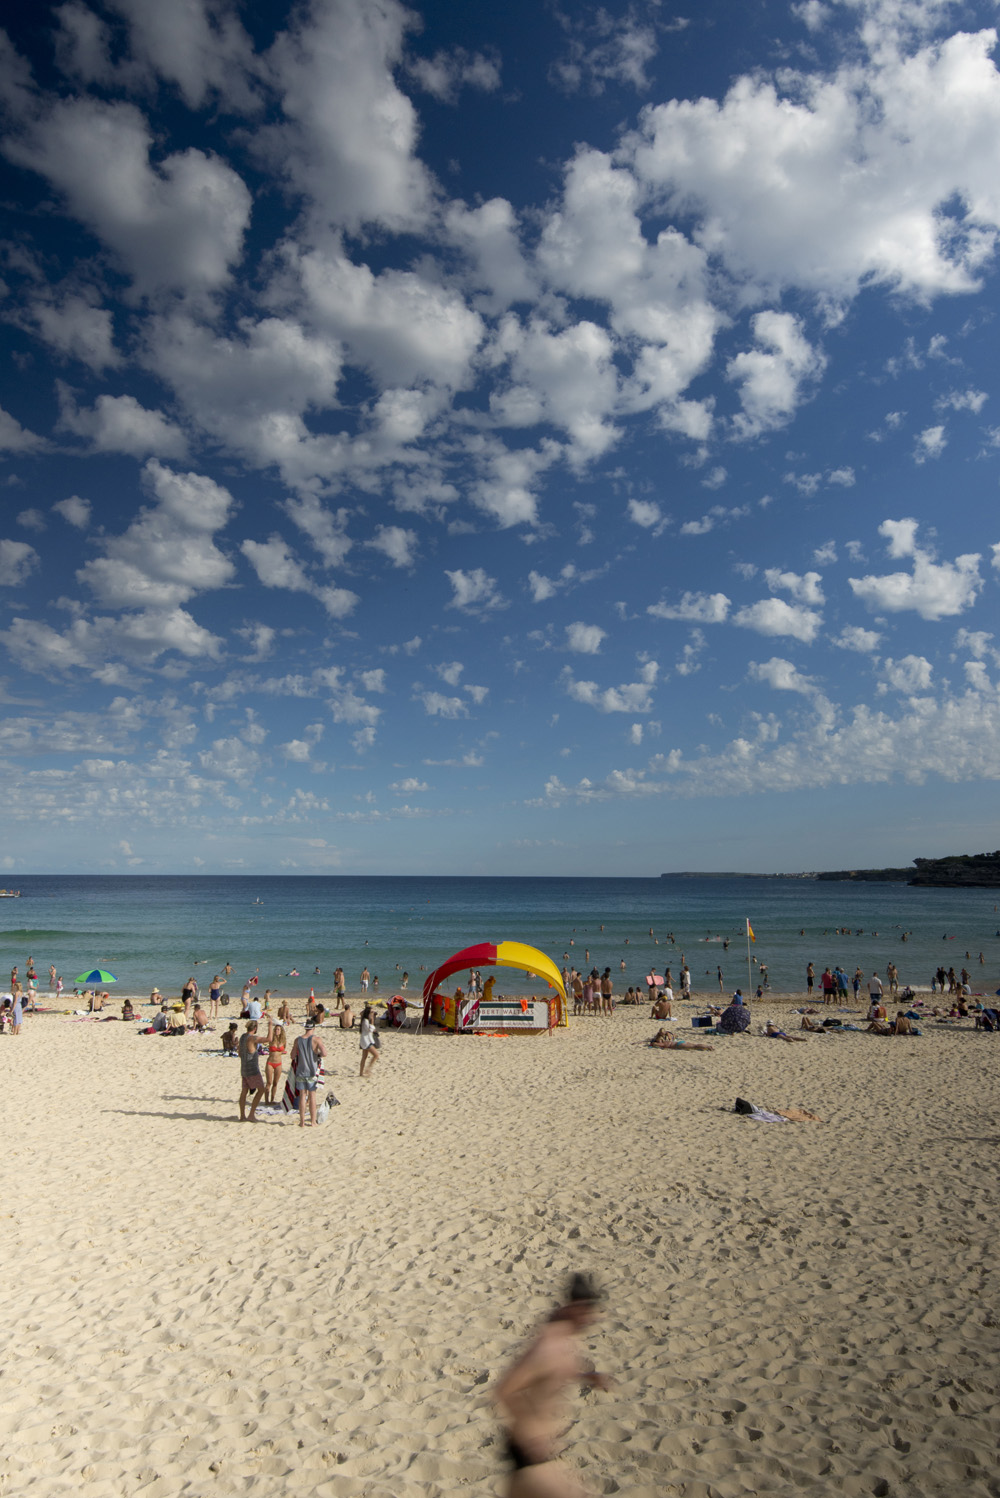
{"x": 742, "y": 1106}
{"x": 323, "y": 1111}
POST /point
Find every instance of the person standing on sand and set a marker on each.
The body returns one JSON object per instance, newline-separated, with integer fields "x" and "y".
{"x": 250, "y": 1072}
{"x": 369, "y": 1041}
{"x": 810, "y": 978}
{"x": 531, "y": 1396}
{"x": 275, "y": 1062}
{"x": 307, "y": 1052}
{"x": 188, "y": 994}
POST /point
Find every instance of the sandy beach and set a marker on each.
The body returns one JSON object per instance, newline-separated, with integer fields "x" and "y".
{"x": 195, "y": 1307}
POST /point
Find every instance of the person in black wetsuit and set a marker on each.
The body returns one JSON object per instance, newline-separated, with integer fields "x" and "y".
{"x": 530, "y": 1396}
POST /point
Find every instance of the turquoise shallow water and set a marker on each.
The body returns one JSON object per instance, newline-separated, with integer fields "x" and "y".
{"x": 151, "y": 930}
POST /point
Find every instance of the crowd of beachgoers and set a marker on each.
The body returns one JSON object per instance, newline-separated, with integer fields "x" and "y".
{"x": 282, "y": 1074}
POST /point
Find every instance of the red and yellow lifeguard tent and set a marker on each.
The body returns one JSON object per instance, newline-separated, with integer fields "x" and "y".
{"x": 470, "y": 1013}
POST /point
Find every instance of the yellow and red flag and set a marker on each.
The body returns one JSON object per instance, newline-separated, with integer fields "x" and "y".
{"x": 750, "y": 932}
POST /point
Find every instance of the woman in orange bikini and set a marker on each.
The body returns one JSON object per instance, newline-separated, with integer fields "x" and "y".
{"x": 275, "y": 1061}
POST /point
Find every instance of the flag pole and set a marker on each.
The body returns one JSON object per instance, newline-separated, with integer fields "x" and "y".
{"x": 749, "y": 975}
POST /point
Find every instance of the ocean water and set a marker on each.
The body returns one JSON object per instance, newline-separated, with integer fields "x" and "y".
{"x": 161, "y": 930}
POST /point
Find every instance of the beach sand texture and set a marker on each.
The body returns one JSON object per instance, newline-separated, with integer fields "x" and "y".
{"x": 192, "y": 1307}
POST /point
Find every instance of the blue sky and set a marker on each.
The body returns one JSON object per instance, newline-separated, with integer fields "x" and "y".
{"x": 556, "y": 439}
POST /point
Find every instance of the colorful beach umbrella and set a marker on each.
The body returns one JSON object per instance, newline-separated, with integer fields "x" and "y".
{"x": 95, "y": 976}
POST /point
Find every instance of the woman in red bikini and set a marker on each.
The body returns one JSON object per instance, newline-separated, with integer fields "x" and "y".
{"x": 275, "y": 1061}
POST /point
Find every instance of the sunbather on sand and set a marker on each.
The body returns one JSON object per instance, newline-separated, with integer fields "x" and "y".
{"x": 666, "y": 1040}
{"x": 812, "y": 1026}
{"x": 774, "y": 1034}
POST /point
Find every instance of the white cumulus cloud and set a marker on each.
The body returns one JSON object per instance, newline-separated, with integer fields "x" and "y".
{"x": 698, "y": 608}
{"x": 773, "y": 616}
{"x": 585, "y": 639}
{"x": 630, "y": 697}
{"x": 771, "y": 376}
{"x": 474, "y": 592}
{"x": 911, "y": 674}
{"x": 17, "y": 562}
{"x": 805, "y": 588}
{"x": 934, "y": 590}
{"x": 783, "y": 675}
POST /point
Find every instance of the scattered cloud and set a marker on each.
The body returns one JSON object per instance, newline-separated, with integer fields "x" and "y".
{"x": 645, "y": 512}
{"x": 934, "y": 590}
{"x": 74, "y": 510}
{"x": 584, "y": 639}
{"x": 717, "y": 515}
{"x": 697, "y": 608}
{"x": 772, "y": 616}
{"x": 474, "y": 592}
{"x": 449, "y": 71}
{"x": 804, "y": 589}
{"x": 911, "y": 674}
{"x": 603, "y": 49}
{"x": 17, "y": 562}
{"x": 630, "y": 697}
{"x": 436, "y": 705}
{"x": 853, "y": 637}
{"x": 782, "y": 675}
{"x": 774, "y": 376}
{"x": 931, "y": 443}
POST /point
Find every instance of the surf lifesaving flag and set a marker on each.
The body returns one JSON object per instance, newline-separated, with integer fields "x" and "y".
{"x": 750, "y": 932}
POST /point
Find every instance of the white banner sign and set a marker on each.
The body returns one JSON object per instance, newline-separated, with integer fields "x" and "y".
{"x": 508, "y": 1014}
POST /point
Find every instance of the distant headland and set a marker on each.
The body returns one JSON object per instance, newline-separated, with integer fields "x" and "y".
{"x": 969, "y": 870}
{"x": 975, "y": 870}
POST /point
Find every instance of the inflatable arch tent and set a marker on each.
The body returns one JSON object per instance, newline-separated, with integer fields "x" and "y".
{"x": 472, "y": 1014}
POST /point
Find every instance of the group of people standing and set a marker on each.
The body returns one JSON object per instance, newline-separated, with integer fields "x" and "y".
{"x": 593, "y": 994}
{"x": 305, "y": 1060}
{"x": 835, "y": 984}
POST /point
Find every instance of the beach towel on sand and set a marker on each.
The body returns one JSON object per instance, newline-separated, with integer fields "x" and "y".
{"x": 290, "y": 1099}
